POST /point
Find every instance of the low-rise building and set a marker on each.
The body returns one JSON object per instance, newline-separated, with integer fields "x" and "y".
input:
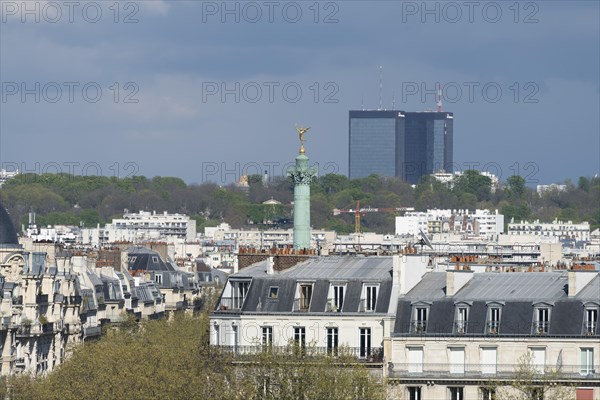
{"x": 460, "y": 335}
{"x": 328, "y": 302}
{"x": 564, "y": 231}
{"x": 141, "y": 227}
{"x": 480, "y": 223}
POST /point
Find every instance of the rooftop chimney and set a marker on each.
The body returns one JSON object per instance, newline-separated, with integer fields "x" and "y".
{"x": 578, "y": 280}
{"x": 408, "y": 269}
{"x": 455, "y": 280}
{"x": 270, "y": 265}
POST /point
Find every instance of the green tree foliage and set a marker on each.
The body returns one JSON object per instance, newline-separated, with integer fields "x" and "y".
{"x": 515, "y": 187}
{"x": 472, "y": 182}
{"x": 172, "y": 359}
{"x": 89, "y": 200}
{"x": 529, "y": 383}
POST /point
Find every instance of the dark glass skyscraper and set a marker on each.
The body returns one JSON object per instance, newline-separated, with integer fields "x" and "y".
{"x": 399, "y": 143}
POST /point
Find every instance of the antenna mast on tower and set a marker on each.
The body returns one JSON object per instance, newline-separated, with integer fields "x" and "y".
{"x": 439, "y": 98}
{"x": 380, "y": 87}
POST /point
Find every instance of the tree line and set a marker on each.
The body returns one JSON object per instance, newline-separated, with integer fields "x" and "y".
{"x": 91, "y": 200}
{"x": 173, "y": 359}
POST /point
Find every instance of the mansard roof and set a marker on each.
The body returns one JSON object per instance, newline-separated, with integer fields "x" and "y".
{"x": 8, "y": 233}
{"x": 517, "y": 294}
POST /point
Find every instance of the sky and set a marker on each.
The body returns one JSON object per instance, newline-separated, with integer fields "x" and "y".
{"x": 208, "y": 91}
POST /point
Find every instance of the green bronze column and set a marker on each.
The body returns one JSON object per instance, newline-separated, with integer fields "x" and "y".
{"x": 302, "y": 175}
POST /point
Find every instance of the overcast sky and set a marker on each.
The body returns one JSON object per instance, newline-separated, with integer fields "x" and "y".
{"x": 207, "y": 90}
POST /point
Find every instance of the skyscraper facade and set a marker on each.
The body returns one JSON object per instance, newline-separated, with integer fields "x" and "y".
{"x": 399, "y": 143}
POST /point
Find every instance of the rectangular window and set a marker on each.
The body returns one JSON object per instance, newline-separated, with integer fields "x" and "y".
{"x": 365, "y": 342}
{"x": 488, "y": 394}
{"x": 371, "y": 298}
{"x": 338, "y": 298}
{"x": 415, "y": 360}
{"x": 305, "y": 296}
{"x": 420, "y": 320}
{"x": 457, "y": 360}
{"x": 587, "y": 361}
{"x": 267, "y": 336}
{"x": 332, "y": 340}
{"x": 542, "y": 321}
{"x": 158, "y": 279}
{"x": 488, "y": 360}
{"x": 456, "y": 393}
{"x": 300, "y": 336}
{"x": 538, "y": 359}
{"x": 273, "y": 292}
{"x": 591, "y": 321}
{"x": 493, "y": 327}
{"x": 233, "y": 338}
{"x": 240, "y": 290}
{"x": 217, "y": 333}
{"x": 537, "y": 394}
{"x": 414, "y": 393}
{"x": 461, "y": 320}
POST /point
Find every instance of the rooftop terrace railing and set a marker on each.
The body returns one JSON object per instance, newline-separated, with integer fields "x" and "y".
{"x": 347, "y": 354}
{"x": 487, "y": 371}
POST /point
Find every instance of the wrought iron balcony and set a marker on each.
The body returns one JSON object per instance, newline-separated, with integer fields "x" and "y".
{"x": 302, "y": 304}
{"x": 541, "y": 327}
{"x": 493, "y": 328}
{"x": 418, "y": 327}
{"x": 230, "y": 304}
{"x": 372, "y": 355}
{"x": 590, "y": 328}
{"x": 486, "y": 371}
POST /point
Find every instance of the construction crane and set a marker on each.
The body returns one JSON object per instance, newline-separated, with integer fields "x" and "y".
{"x": 362, "y": 211}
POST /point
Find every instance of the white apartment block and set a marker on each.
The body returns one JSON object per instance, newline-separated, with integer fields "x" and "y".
{"x": 142, "y": 226}
{"x": 459, "y": 335}
{"x": 329, "y": 303}
{"x": 541, "y": 189}
{"x": 559, "y": 229}
{"x": 449, "y": 177}
{"x": 482, "y": 223}
{"x": 267, "y": 238}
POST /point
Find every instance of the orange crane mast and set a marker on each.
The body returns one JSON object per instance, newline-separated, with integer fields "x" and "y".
{"x": 362, "y": 211}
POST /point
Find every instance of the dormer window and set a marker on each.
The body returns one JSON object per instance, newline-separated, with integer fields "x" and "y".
{"x": 461, "y": 318}
{"x": 493, "y": 320}
{"x": 336, "y": 297}
{"x": 419, "y": 324}
{"x": 369, "y": 297}
{"x": 591, "y": 321}
{"x": 304, "y": 296}
{"x": 273, "y": 292}
{"x": 542, "y": 320}
{"x": 240, "y": 291}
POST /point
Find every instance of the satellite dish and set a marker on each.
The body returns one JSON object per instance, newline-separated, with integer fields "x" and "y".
{"x": 425, "y": 238}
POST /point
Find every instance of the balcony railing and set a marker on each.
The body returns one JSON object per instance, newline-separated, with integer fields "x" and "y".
{"x": 418, "y": 327}
{"x": 41, "y": 299}
{"x": 541, "y": 327}
{"x": 349, "y": 354}
{"x": 493, "y": 328}
{"x": 497, "y": 371}
{"x": 590, "y": 328}
{"x": 366, "y": 306}
{"x": 230, "y": 303}
{"x": 92, "y": 331}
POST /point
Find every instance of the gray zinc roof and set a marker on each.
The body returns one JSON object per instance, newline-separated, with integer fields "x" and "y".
{"x": 431, "y": 287}
{"x": 330, "y": 268}
{"x": 515, "y": 286}
{"x": 591, "y": 291}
